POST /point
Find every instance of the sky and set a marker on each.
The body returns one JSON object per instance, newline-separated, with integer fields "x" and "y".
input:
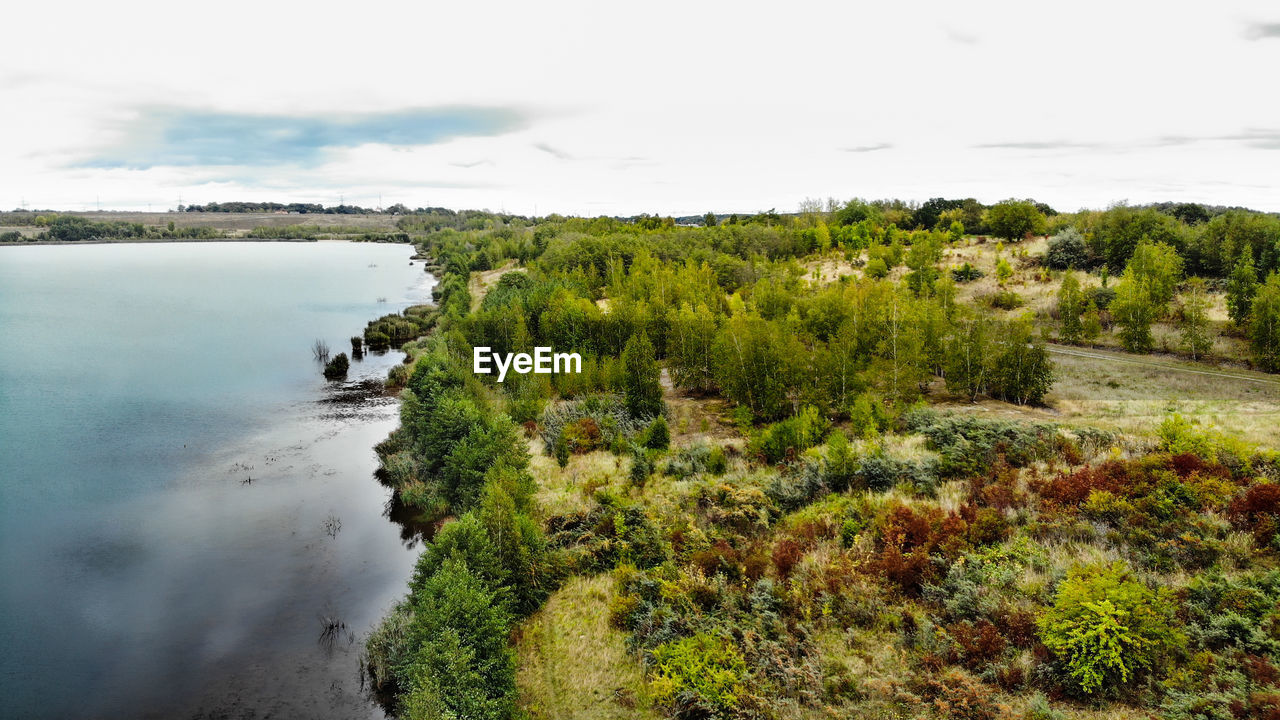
{"x": 598, "y": 108}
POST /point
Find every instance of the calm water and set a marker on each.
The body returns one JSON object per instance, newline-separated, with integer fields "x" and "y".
{"x": 141, "y": 388}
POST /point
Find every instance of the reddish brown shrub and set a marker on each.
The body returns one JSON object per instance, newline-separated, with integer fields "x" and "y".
{"x": 1074, "y": 488}
{"x": 1257, "y": 508}
{"x": 977, "y": 644}
{"x": 786, "y": 553}
{"x": 998, "y": 488}
{"x": 1260, "y": 670}
{"x": 719, "y": 558}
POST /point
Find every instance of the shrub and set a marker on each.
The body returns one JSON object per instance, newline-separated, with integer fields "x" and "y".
{"x": 877, "y": 268}
{"x": 336, "y": 369}
{"x": 1005, "y": 300}
{"x": 1107, "y": 628}
{"x": 717, "y": 463}
{"x": 658, "y": 435}
{"x": 698, "y": 675}
{"x": 783, "y": 440}
{"x": 966, "y": 273}
{"x": 1067, "y": 251}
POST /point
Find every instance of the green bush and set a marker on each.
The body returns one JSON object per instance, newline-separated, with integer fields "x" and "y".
{"x": 787, "y": 438}
{"x": 966, "y": 273}
{"x": 658, "y": 436}
{"x": 1006, "y": 300}
{"x": 1107, "y": 628}
{"x": 336, "y": 369}
{"x": 698, "y": 675}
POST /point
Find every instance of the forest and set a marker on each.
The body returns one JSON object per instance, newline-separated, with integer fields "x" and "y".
{"x": 861, "y": 460}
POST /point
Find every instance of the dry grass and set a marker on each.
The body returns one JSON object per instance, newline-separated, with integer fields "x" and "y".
{"x": 573, "y": 664}
{"x": 482, "y": 281}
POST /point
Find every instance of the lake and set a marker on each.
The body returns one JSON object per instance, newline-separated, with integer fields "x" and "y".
{"x": 189, "y": 522}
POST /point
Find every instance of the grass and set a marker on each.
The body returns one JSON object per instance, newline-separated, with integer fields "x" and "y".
{"x": 573, "y": 664}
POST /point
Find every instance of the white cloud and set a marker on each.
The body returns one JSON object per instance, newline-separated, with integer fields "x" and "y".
{"x": 663, "y": 106}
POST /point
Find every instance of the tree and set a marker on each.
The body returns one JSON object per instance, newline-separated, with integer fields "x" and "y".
{"x": 1241, "y": 287}
{"x": 1134, "y": 311}
{"x": 1143, "y": 293}
{"x": 1196, "y": 338}
{"x": 1160, "y": 267}
{"x": 1070, "y": 308}
{"x": 955, "y": 232}
{"x": 1264, "y": 328}
{"x": 691, "y": 332}
{"x": 642, "y": 384}
{"x": 1091, "y": 323}
{"x": 1015, "y": 219}
{"x": 967, "y": 358}
{"x": 1021, "y": 371}
{"x": 709, "y": 220}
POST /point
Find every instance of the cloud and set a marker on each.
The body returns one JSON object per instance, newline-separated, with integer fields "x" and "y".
{"x": 961, "y": 38}
{"x": 165, "y": 136}
{"x": 867, "y": 148}
{"x": 557, "y": 152}
{"x": 1037, "y": 145}
{"x": 1262, "y": 31}
{"x": 1258, "y": 138}
{"x": 469, "y": 165}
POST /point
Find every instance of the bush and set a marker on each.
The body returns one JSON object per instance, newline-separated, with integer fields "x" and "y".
{"x": 966, "y": 273}
{"x": 1107, "y": 628}
{"x": 698, "y": 675}
{"x": 658, "y": 436}
{"x": 1067, "y": 251}
{"x": 336, "y": 369}
{"x": 1005, "y": 300}
{"x": 784, "y": 440}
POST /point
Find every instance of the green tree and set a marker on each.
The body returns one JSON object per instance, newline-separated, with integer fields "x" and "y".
{"x": 1091, "y": 323}
{"x": 1134, "y": 311}
{"x": 1107, "y": 628}
{"x": 1015, "y": 219}
{"x": 955, "y": 232}
{"x": 967, "y": 357}
{"x": 1158, "y": 266}
{"x": 1070, "y": 308}
{"x": 1241, "y": 287}
{"x": 1020, "y": 370}
{"x": 643, "y": 383}
{"x": 1264, "y": 327}
{"x": 1196, "y": 335}
{"x": 691, "y": 333}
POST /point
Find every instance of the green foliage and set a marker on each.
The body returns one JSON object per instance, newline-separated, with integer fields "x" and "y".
{"x": 1107, "y": 628}
{"x": 966, "y": 273}
{"x": 1195, "y": 332}
{"x": 700, "y": 674}
{"x": 786, "y": 439}
{"x": 643, "y": 385}
{"x": 657, "y": 436}
{"x": 1242, "y": 285}
{"x": 336, "y": 369}
{"x": 1015, "y": 219}
{"x": 1264, "y": 324}
{"x": 1070, "y": 308}
{"x": 1067, "y": 251}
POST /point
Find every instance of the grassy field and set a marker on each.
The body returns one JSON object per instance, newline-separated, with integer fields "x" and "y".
{"x": 573, "y": 664}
